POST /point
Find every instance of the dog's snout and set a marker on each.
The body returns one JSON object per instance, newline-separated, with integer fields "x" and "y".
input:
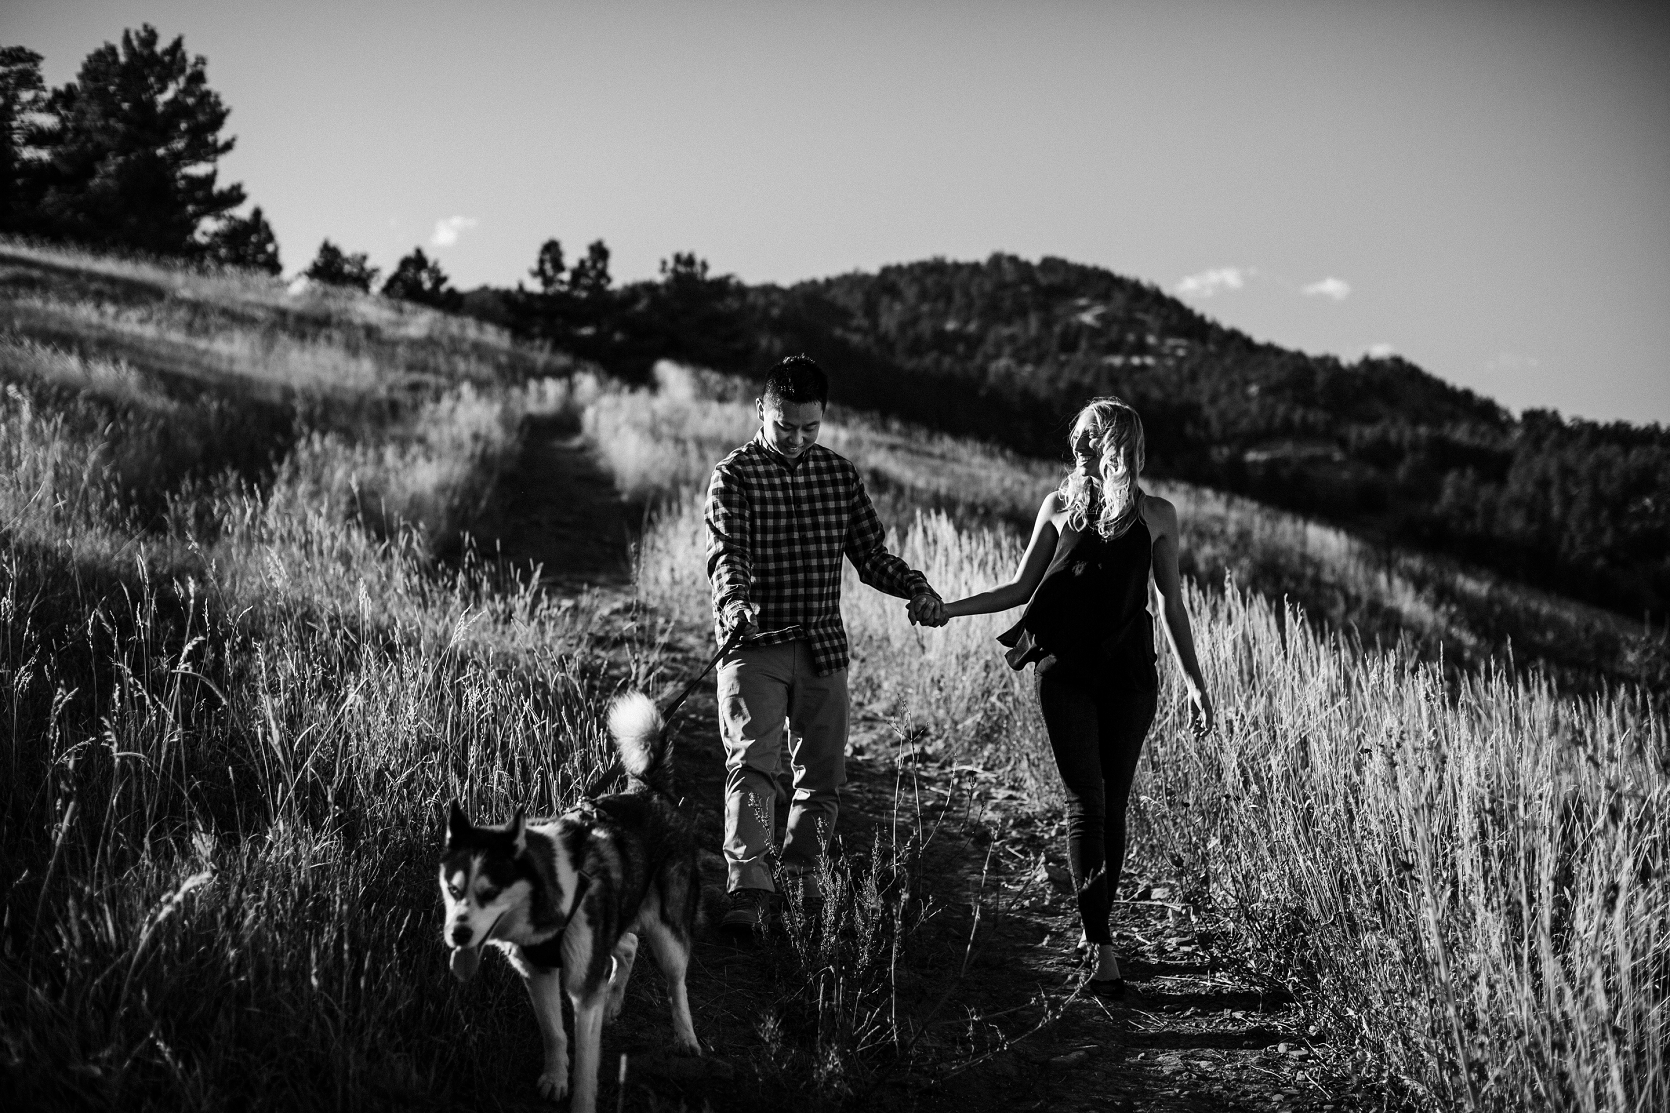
{"x": 461, "y": 936}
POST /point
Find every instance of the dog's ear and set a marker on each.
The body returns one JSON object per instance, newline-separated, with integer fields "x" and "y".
{"x": 519, "y": 829}
{"x": 457, "y": 824}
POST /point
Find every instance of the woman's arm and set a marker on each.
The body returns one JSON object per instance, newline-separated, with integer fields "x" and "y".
{"x": 1031, "y": 570}
{"x": 1162, "y": 520}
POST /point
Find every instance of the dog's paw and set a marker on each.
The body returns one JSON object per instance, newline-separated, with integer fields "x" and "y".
{"x": 686, "y": 1045}
{"x": 612, "y": 1009}
{"x": 553, "y": 1085}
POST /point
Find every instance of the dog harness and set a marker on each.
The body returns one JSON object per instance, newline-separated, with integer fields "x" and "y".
{"x": 548, "y": 955}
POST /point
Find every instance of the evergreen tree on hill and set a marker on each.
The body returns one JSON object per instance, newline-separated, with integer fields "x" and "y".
{"x": 418, "y": 278}
{"x": 22, "y": 99}
{"x": 335, "y": 267}
{"x": 245, "y": 241}
{"x": 575, "y": 309}
{"x": 131, "y": 150}
{"x": 697, "y": 318}
{"x": 548, "y": 268}
{"x": 590, "y": 276}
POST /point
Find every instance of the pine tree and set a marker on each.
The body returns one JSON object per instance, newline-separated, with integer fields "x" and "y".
{"x": 132, "y": 147}
{"x": 336, "y": 267}
{"x": 22, "y": 97}
{"x": 548, "y": 269}
{"x": 590, "y": 276}
{"x": 245, "y": 241}
{"x": 419, "y": 279}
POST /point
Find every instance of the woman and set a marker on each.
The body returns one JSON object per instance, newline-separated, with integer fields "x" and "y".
{"x": 1087, "y": 628}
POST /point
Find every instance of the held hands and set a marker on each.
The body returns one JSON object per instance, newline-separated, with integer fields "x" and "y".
{"x": 927, "y": 609}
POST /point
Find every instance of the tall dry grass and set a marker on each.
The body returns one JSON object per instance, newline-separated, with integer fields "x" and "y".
{"x": 180, "y": 300}
{"x": 406, "y": 416}
{"x": 431, "y": 473}
{"x": 225, "y": 760}
{"x": 236, "y": 688}
{"x": 1470, "y": 881}
{"x": 1469, "y": 877}
{"x": 663, "y": 442}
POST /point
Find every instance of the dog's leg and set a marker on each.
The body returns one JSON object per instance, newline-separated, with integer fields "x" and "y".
{"x": 545, "y": 987}
{"x": 588, "y": 1049}
{"x": 672, "y": 954}
{"x": 626, "y": 951}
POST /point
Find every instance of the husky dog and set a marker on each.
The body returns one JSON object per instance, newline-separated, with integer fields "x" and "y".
{"x": 567, "y": 899}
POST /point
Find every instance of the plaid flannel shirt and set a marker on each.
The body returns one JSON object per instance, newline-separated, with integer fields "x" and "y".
{"x": 775, "y": 536}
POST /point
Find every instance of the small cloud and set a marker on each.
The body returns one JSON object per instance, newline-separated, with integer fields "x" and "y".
{"x": 1337, "y": 288}
{"x": 447, "y": 231}
{"x": 1207, "y": 283}
{"x": 1381, "y": 350}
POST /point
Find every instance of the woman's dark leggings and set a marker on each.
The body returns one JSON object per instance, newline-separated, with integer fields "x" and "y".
{"x": 1096, "y": 730}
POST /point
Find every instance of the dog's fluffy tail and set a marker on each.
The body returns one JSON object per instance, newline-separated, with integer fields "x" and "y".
{"x": 636, "y": 725}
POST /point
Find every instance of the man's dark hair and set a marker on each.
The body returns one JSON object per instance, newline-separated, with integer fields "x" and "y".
{"x": 797, "y": 379}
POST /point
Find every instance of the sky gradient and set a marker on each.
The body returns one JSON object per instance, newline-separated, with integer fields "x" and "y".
{"x": 1483, "y": 188}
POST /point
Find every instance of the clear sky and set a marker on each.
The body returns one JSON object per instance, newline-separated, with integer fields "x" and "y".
{"x": 1483, "y": 188}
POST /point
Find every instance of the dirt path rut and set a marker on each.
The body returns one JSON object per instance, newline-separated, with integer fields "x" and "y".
{"x": 559, "y": 510}
{"x": 1005, "y": 1029}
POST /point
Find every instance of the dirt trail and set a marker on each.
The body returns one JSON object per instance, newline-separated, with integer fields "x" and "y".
{"x": 1191, "y": 1036}
{"x": 1008, "y": 1031}
{"x": 559, "y": 509}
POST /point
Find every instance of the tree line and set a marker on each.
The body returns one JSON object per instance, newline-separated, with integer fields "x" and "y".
{"x": 1007, "y": 350}
{"x": 123, "y": 158}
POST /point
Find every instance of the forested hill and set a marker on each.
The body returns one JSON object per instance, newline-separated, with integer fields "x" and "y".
{"x": 1037, "y": 338}
{"x": 1007, "y": 349}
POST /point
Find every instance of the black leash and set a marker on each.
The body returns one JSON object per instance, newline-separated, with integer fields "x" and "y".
{"x": 730, "y": 643}
{"x": 678, "y": 700}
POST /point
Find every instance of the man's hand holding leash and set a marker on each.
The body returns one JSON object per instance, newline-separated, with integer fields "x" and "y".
{"x": 744, "y": 616}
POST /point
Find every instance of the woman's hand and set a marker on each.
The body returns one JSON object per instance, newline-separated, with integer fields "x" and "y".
{"x": 1201, "y": 716}
{"x": 927, "y": 609}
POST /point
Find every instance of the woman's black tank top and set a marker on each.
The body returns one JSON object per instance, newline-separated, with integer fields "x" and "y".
{"x": 1091, "y": 609}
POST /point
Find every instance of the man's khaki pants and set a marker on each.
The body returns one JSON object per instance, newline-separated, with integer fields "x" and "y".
{"x": 759, "y": 687}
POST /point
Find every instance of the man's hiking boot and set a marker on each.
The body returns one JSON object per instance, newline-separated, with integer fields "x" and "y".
{"x": 747, "y": 914}
{"x": 802, "y": 898}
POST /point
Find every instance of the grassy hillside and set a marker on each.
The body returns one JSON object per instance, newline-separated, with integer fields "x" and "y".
{"x": 236, "y": 687}
{"x": 1468, "y": 873}
{"x": 244, "y": 658}
{"x": 660, "y": 444}
{"x": 201, "y": 374}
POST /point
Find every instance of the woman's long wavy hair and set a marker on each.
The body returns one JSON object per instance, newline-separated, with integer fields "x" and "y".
{"x": 1110, "y": 496}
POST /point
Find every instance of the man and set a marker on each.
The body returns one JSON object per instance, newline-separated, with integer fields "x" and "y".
{"x": 781, "y": 512}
